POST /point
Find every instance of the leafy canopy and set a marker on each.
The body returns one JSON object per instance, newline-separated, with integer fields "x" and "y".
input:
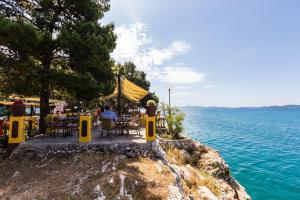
{"x": 130, "y": 71}
{"x": 55, "y": 45}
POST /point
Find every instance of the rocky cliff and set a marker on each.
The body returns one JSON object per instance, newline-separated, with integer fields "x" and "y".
{"x": 163, "y": 170}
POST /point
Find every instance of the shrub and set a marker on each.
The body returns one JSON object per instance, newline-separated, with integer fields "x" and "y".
{"x": 174, "y": 118}
{"x": 176, "y": 156}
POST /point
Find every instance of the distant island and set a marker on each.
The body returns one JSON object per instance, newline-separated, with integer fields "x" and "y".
{"x": 248, "y": 107}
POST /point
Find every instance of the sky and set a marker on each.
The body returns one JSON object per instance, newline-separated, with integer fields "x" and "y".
{"x": 229, "y": 53}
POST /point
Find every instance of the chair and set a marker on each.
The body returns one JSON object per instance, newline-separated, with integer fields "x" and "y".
{"x": 123, "y": 124}
{"x": 107, "y": 126}
{"x": 73, "y": 123}
{"x": 50, "y": 126}
{"x": 161, "y": 126}
{"x": 135, "y": 124}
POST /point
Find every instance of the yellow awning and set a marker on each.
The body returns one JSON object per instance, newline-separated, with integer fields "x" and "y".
{"x": 9, "y": 103}
{"x": 129, "y": 90}
{"x": 34, "y": 99}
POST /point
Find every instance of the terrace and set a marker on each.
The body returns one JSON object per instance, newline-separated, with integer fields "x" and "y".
{"x": 133, "y": 137}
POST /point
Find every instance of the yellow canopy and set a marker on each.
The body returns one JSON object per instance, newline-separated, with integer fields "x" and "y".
{"x": 34, "y": 99}
{"x": 129, "y": 90}
{"x": 9, "y": 103}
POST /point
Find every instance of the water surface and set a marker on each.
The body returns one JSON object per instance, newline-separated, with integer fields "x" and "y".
{"x": 261, "y": 146}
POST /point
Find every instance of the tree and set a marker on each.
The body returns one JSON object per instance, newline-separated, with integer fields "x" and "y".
{"x": 138, "y": 77}
{"x": 57, "y": 45}
{"x": 129, "y": 70}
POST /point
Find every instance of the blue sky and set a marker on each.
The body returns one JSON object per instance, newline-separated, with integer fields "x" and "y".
{"x": 213, "y": 52}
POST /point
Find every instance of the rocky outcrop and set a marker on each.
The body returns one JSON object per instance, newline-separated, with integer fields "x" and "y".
{"x": 194, "y": 170}
{"x": 196, "y": 156}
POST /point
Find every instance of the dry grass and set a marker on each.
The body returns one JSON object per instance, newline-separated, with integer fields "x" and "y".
{"x": 181, "y": 157}
{"x": 76, "y": 176}
{"x": 197, "y": 177}
{"x": 176, "y": 156}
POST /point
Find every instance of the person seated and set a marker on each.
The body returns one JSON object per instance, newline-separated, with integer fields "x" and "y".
{"x": 108, "y": 114}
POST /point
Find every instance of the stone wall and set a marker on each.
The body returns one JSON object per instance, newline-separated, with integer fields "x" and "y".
{"x": 130, "y": 150}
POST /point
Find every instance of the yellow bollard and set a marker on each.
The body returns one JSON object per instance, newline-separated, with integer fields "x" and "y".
{"x": 16, "y": 130}
{"x": 150, "y": 129}
{"x": 85, "y": 128}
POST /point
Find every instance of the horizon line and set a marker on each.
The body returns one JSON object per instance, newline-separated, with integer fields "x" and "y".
{"x": 265, "y": 106}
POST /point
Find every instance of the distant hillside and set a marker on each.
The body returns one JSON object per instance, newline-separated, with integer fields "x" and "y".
{"x": 250, "y": 107}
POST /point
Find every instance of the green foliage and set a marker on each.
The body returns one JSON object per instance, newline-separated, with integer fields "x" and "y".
{"x": 150, "y": 96}
{"x": 58, "y": 43}
{"x": 55, "y": 45}
{"x": 151, "y": 103}
{"x": 174, "y": 117}
{"x": 128, "y": 69}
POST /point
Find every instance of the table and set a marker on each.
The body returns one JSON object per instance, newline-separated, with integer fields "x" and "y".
{"x": 123, "y": 124}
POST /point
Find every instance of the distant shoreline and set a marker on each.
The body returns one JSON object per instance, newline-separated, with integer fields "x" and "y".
{"x": 247, "y": 107}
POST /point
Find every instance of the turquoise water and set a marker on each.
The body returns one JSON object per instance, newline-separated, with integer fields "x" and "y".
{"x": 261, "y": 146}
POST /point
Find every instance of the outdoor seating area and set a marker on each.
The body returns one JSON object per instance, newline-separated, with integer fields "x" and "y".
{"x": 132, "y": 137}
{"x": 61, "y": 125}
{"x": 111, "y": 119}
{"x": 68, "y": 126}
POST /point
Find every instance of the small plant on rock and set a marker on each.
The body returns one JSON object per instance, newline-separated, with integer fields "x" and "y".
{"x": 174, "y": 119}
{"x": 151, "y": 103}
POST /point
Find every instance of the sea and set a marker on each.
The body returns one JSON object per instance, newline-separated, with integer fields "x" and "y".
{"x": 261, "y": 146}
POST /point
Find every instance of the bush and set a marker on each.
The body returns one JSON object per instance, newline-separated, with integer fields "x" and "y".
{"x": 174, "y": 118}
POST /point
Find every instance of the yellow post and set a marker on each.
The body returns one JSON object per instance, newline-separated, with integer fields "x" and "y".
{"x": 85, "y": 128}
{"x": 16, "y": 130}
{"x": 150, "y": 129}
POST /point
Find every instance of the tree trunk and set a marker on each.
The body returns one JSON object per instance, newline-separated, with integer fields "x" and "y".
{"x": 44, "y": 92}
{"x": 44, "y": 107}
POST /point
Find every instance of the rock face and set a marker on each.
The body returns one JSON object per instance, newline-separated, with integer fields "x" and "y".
{"x": 193, "y": 156}
{"x": 182, "y": 169}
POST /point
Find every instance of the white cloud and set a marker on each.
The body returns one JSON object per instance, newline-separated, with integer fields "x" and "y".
{"x": 158, "y": 56}
{"x": 133, "y": 44}
{"x": 180, "y": 75}
{"x": 130, "y": 42}
{"x": 209, "y": 86}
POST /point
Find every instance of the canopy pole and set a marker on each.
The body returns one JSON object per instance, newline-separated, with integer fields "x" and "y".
{"x": 119, "y": 94}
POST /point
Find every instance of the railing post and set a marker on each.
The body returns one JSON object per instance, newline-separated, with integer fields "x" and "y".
{"x": 85, "y": 128}
{"x": 150, "y": 129}
{"x": 16, "y": 130}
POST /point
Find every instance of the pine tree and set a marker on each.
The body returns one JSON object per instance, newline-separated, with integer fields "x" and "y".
{"x": 55, "y": 44}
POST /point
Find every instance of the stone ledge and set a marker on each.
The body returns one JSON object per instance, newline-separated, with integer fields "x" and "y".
{"x": 130, "y": 150}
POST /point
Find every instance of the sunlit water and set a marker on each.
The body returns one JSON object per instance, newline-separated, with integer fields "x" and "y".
{"x": 261, "y": 146}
